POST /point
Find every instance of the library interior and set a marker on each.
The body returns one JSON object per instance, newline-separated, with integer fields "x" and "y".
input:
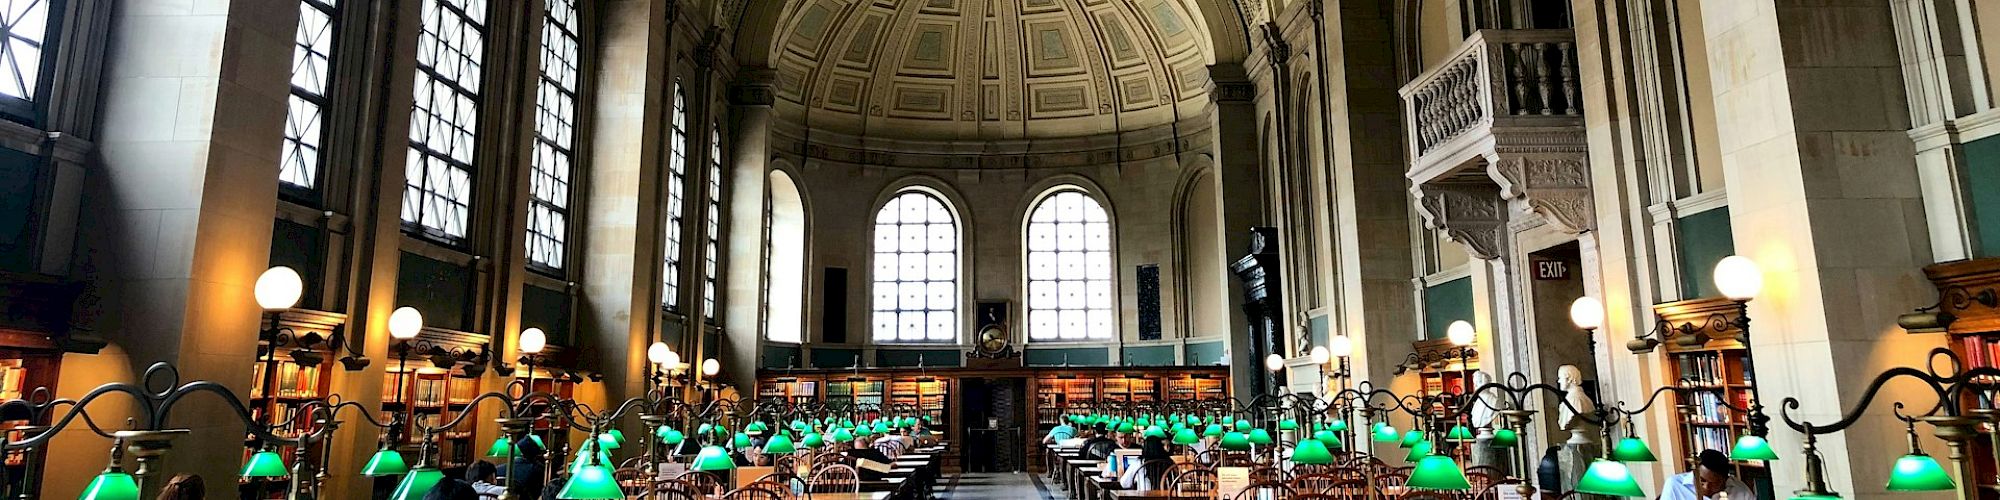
{"x": 985, "y": 249}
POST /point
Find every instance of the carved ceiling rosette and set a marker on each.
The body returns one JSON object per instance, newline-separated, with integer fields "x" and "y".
{"x": 1470, "y": 213}
{"x": 1556, "y": 185}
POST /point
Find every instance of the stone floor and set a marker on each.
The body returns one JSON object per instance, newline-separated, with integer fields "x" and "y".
{"x": 995, "y": 486}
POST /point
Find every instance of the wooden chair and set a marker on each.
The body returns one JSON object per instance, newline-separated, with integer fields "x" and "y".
{"x": 1264, "y": 491}
{"x": 1488, "y": 470}
{"x": 1492, "y": 491}
{"x": 1269, "y": 475}
{"x": 1479, "y": 481}
{"x": 780, "y": 488}
{"x": 1385, "y": 481}
{"x": 834, "y": 478}
{"x": 1153, "y": 473}
{"x": 1199, "y": 482}
{"x": 1352, "y": 489}
{"x": 703, "y": 482}
{"x": 673, "y": 489}
{"x": 1316, "y": 496}
{"x": 1314, "y": 483}
{"x": 748, "y": 493}
{"x": 1174, "y": 471}
{"x": 1425, "y": 495}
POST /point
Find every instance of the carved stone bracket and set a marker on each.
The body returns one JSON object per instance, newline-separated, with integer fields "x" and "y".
{"x": 1557, "y": 186}
{"x": 1470, "y": 213}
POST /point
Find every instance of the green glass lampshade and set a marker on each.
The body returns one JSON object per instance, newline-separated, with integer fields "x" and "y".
{"x": 387, "y": 462}
{"x": 1609, "y": 478}
{"x": 1419, "y": 451}
{"x": 1143, "y": 420}
{"x": 1212, "y": 430}
{"x": 881, "y": 428}
{"x": 1185, "y": 436}
{"x": 755, "y": 428}
{"x": 1919, "y": 472}
{"x": 1156, "y": 432}
{"x": 1311, "y": 452}
{"x": 1438, "y": 472}
{"x": 1384, "y": 432}
{"x": 1338, "y": 425}
{"x": 1242, "y": 425}
{"x": 1504, "y": 438}
{"x": 1328, "y": 439}
{"x": 1288, "y": 425}
{"x": 1176, "y": 418}
{"x": 592, "y": 482}
{"x": 1411, "y": 438}
{"x": 742, "y": 440}
{"x": 1751, "y": 447}
{"x": 1259, "y": 436}
{"x": 1815, "y": 496}
{"x": 813, "y": 441}
{"x": 1235, "y": 441}
{"x": 265, "y": 463}
{"x": 661, "y": 431}
{"x": 417, "y": 483}
{"x": 779, "y": 445}
{"x": 1179, "y": 426}
{"x": 607, "y": 441}
{"x": 673, "y": 437}
{"x": 1194, "y": 420}
{"x": 705, "y": 428}
{"x": 1125, "y": 428}
{"x": 1459, "y": 433}
{"x": 799, "y": 425}
{"x": 112, "y": 484}
{"x": 1633, "y": 449}
{"x": 618, "y": 435}
{"x": 501, "y": 447}
{"x": 846, "y": 423}
{"x": 713, "y": 458}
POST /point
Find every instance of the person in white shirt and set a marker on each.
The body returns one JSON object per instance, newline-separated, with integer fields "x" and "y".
{"x": 1710, "y": 479}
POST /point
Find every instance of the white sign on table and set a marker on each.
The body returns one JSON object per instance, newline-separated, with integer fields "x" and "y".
{"x": 1231, "y": 480}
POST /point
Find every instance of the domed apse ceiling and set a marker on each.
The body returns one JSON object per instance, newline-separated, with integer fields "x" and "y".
{"x": 989, "y": 69}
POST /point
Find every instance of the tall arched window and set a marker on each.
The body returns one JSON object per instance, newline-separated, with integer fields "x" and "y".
{"x": 312, "y": 63}
{"x": 712, "y": 222}
{"x": 555, "y": 139}
{"x": 1070, "y": 268}
{"x": 784, "y": 260}
{"x": 451, "y": 44}
{"x": 916, "y": 270}
{"x": 670, "y": 273}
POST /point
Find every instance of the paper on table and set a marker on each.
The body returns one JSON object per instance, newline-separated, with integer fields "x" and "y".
{"x": 1231, "y": 480}
{"x": 873, "y": 465}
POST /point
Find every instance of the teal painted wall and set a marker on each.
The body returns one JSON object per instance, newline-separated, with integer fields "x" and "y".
{"x": 1203, "y": 353}
{"x": 1149, "y": 355}
{"x": 1318, "y": 327}
{"x": 1982, "y": 188}
{"x": 1444, "y": 303}
{"x": 780, "y": 356}
{"x": 1077, "y": 356}
{"x": 909, "y": 357}
{"x": 833, "y": 358}
{"x": 1705, "y": 240}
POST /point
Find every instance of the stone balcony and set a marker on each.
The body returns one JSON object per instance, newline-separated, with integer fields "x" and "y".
{"x": 1499, "y": 122}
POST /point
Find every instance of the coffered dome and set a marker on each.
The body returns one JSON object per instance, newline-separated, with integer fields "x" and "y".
{"x": 989, "y": 69}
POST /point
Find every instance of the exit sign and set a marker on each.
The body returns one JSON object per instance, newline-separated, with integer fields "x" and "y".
{"x": 1551, "y": 270}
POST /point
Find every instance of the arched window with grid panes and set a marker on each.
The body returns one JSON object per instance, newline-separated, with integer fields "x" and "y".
{"x": 437, "y": 198}
{"x": 712, "y": 222}
{"x": 916, "y": 269}
{"x": 26, "y": 54}
{"x": 299, "y": 167}
{"x": 670, "y": 268}
{"x": 555, "y": 139}
{"x": 1071, "y": 270}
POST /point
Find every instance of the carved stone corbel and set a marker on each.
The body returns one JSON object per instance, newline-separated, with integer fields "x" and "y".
{"x": 1470, "y": 213}
{"x": 1555, "y": 185}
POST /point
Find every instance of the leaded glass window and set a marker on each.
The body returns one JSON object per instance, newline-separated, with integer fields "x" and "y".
{"x": 312, "y": 56}
{"x": 916, "y": 270}
{"x": 555, "y": 137}
{"x": 451, "y": 44}
{"x": 676, "y": 182}
{"x": 25, "y": 26}
{"x": 712, "y": 226}
{"x": 1070, "y": 269}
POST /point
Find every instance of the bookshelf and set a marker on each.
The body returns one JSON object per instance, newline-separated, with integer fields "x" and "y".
{"x": 789, "y": 389}
{"x": 1969, "y": 289}
{"x": 1191, "y": 387}
{"x": 1714, "y": 375}
{"x": 1131, "y": 388}
{"x": 855, "y": 391}
{"x": 21, "y": 371}
{"x": 432, "y": 397}
{"x": 1057, "y": 394}
{"x": 928, "y": 394}
{"x": 1442, "y": 371}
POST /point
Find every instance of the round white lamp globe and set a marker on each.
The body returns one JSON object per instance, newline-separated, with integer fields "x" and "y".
{"x": 1460, "y": 332}
{"x": 1274, "y": 362}
{"x": 405, "y": 322}
{"x": 532, "y": 341}
{"x": 657, "y": 353}
{"x": 1738, "y": 278}
{"x": 1320, "y": 355}
{"x": 710, "y": 367}
{"x": 1587, "y": 313}
{"x": 1340, "y": 346}
{"x": 279, "y": 288}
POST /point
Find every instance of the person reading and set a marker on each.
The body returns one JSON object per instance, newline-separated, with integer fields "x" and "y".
{"x": 1710, "y": 479}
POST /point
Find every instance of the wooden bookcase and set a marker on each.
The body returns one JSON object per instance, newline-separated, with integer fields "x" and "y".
{"x": 790, "y": 389}
{"x": 1714, "y": 374}
{"x": 930, "y": 395}
{"x": 1196, "y": 387}
{"x": 1969, "y": 293}
{"x": 27, "y": 361}
{"x": 433, "y": 396}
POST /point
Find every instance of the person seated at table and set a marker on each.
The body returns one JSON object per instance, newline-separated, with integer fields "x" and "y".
{"x": 903, "y": 443}
{"x": 925, "y": 437}
{"x": 1061, "y": 432}
{"x": 1709, "y": 479}
{"x": 1137, "y": 477}
{"x": 1101, "y": 444}
{"x": 861, "y": 451}
{"x": 1126, "y": 440}
{"x": 1206, "y": 443}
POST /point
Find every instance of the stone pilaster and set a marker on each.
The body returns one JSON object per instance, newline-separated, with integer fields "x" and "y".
{"x": 747, "y": 175}
{"x": 1233, "y": 121}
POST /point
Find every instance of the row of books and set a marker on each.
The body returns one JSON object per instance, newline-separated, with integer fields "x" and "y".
{"x": 294, "y": 380}
{"x": 1712, "y": 438}
{"x": 1709, "y": 408}
{"x": 1704, "y": 369}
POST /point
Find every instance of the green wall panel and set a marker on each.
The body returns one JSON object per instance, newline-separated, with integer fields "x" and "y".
{"x": 1318, "y": 327}
{"x": 909, "y": 357}
{"x": 1074, "y": 356}
{"x": 1982, "y": 187}
{"x": 823, "y": 357}
{"x": 1705, "y": 240}
{"x": 1203, "y": 353}
{"x": 1444, "y": 303}
{"x": 779, "y": 356}
{"x": 442, "y": 291}
{"x": 1149, "y": 355}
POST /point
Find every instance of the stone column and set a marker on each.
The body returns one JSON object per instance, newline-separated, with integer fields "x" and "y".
{"x": 194, "y": 108}
{"x": 1824, "y": 195}
{"x": 746, "y": 175}
{"x": 1233, "y": 120}
{"x": 630, "y": 122}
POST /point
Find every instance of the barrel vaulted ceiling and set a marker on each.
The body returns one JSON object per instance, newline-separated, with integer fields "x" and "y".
{"x": 989, "y": 69}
